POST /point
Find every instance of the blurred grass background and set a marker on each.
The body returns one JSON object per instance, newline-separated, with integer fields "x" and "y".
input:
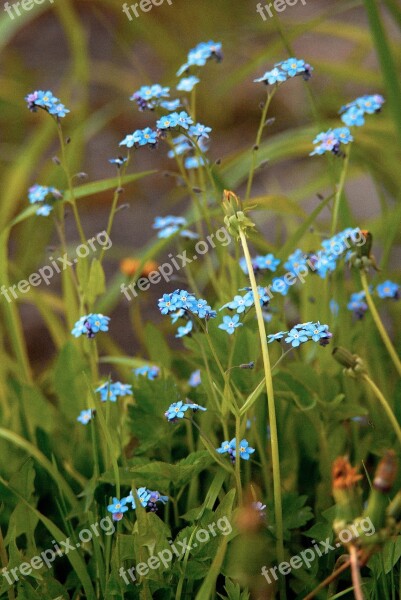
{"x": 93, "y": 57}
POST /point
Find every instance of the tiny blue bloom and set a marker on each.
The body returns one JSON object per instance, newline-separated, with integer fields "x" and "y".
{"x": 199, "y": 130}
{"x": 184, "y": 330}
{"x": 195, "y": 378}
{"x": 85, "y": 416}
{"x": 151, "y": 372}
{"x": 296, "y": 337}
{"x": 388, "y": 289}
{"x": 272, "y": 337}
{"x": 176, "y": 411}
{"x": 230, "y": 323}
{"x": 187, "y": 84}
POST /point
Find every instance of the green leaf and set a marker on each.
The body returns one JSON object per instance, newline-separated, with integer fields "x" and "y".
{"x": 387, "y": 63}
{"x": 96, "y": 282}
{"x": 22, "y": 520}
{"x": 158, "y": 349}
{"x": 303, "y": 397}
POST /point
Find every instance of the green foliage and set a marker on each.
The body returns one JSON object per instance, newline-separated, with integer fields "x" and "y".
{"x": 57, "y": 476}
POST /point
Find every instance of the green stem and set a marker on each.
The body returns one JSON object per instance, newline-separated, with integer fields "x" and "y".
{"x": 380, "y": 327}
{"x": 72, "y": 200}
{"x": 238, "y": 459}
{"x": 4, "y": 563}
{"x": 271, "y": 409}
{"x": 339, "y": 193}
{"x": 257, "y": 143}
{"x": 113, "y": 208}
{"x": 385, "y": 405}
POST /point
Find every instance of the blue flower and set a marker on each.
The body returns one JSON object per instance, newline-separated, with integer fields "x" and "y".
{"x": 148, "y": 136}
{"x": 176, "y": 411}
{"x": 118, "y": 508}
{"x": 177, "y": 315}
{"x": 140, "y": 137}
{"x": 167, "y": 304}
{"x": 111, "y": 391}
{"x": 90, "y": 325}
{"x": 324, "y": 263}
{"x": 85, "y": 416}
{"x": 148, "y": 96}
{"x": 189, "y": 235}
{"x": 230, "y": 323}
{"x": 293, "y": 66}
{"x": 184, "y": 120}
{"x": 154, "y": 497}
{"x": 331, "y": 140}
{"x": 295, "y": 261}
{"x": 195, "y": 407}
{"x": 244, "y": 449}
{"x": 201, "y": 308}
{"x": 187, "y": 84}
{"x": 369, "y": 104}
{"x": 280, "y": 286}
{"x": 230, "y": 447}
{"x": 170, "y": 105}
{"x": 162, "y": 222}
{"x": 357, "y": 304}
{"x": 184, "y": 299}
{"x": 199, "y": 130}
{"x": 275, "y": 76}
{"x": 181, "y": 146}
{"x": 272, "y": 337}
{"x": 334, "y": 307}
{"x": 168, "y": 121}
{"x": 240, "y": 303}
{"x": 44, "y": 197}
{"x": 184, "y": 330}
{"x": 296, "y": 337}
{"x": 316, "y": 331}
{"x": 195, "y": 378}
{"x": 151, "y": 372}
{"x": 353, "y": 117}
{"x": 266, "y": 262}
{"x": 194, "y": 162}
{"x": 225, "y": 447}
{"x": 58, "y": 110}
{"x": 131, "y": 139}
{"x": 97, "y": 322}
{"x": 388, "y": 289}
{"x": 119, "y": 161}
{"x": 199, "y": 55}
{"x": 46, "y": 101}
{"x": 143, "y": 495}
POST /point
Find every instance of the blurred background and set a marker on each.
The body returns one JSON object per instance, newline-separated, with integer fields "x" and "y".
{"x": 93, "y": 57}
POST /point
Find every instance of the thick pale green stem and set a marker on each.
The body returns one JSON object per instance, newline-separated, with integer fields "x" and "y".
{"x": 385, "y": 406}
{"x": 271, "y": 408}
{"x": 380, "y": 327}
